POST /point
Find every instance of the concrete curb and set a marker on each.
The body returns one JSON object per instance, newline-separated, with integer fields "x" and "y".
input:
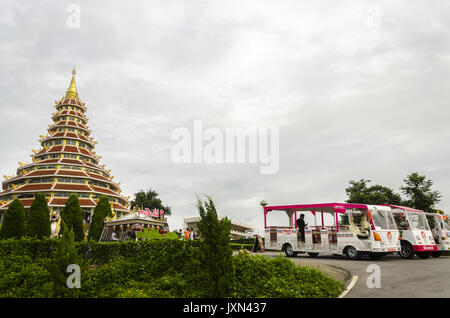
{"x": 348, "y": 287}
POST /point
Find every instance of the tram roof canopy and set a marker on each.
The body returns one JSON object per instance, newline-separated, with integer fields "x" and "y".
{"x": 404, "y": 208}
{"x": 318, "y": 207}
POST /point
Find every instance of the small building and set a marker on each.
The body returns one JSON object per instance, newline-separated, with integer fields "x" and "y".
{"x": 238, "y": 230}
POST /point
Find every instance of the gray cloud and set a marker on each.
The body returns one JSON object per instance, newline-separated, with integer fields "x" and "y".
{"x": 357, "y": 90}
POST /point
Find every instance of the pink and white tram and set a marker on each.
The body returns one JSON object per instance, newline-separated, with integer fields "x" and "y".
{"x": 370, "y": 230}
{"x": 415, "y": 232}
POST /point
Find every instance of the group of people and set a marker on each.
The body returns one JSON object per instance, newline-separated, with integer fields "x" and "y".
{"x": 187, "y": 234}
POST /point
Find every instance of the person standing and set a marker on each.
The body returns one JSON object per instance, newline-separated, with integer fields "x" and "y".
{"x": 301, "y": 226}
{"x": 191, "y": 234}
{"x": 186, "y": 234}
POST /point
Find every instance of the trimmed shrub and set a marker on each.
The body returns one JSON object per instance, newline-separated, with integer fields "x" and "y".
{"x": 217, "y": 251}
{"x": 65, "y": 255}
{"x": 14, "y": 221}
{"x": 101, "y": 211}
{"x": 39, "y": 218}
{"x": 72, "y": 216}
{"x": 258, "y": 276}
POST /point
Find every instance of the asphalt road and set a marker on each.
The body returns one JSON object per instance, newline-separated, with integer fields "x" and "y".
{"x": 406, "y": 278}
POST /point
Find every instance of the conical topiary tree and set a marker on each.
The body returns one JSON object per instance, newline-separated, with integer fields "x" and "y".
{"x": 72, "y": 216}
{"x": 65, "y": 255}
{"x": 39, "y": 218}
{"x": 217, "y": 250}
{"x": 101, "y": 211}
{"x": 14, "y": 221}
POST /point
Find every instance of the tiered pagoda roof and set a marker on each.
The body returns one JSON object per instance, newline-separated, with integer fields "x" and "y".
{"x": 66, "y": 163}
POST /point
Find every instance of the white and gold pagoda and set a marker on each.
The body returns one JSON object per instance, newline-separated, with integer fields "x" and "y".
{"x": 66, "y": 163}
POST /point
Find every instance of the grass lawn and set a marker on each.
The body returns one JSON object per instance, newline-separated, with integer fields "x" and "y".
{"x": 154, "y": 234}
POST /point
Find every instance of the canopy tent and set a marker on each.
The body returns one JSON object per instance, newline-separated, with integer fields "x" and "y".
{"x": 131, "y": 222}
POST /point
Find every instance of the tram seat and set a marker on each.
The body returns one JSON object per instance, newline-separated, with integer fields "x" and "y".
{"x": 365, "y": 225}
{"x": 354, "y": 228}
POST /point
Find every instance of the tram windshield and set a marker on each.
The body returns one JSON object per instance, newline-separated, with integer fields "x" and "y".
{"x": 418, "y": 221}
{"x": 383, "y": 220}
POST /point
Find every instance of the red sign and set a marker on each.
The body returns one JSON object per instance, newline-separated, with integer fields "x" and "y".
{"x": 423, "y": 235}
{"x": 389, "y": 235}
{"x": 154, "y": 213}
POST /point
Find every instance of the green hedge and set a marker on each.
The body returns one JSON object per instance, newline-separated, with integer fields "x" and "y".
{"x": 240, "y": 246}
{"x": 260, "y": 276}
{"x": 100, "y": 253}
{"x": 155, "y": 268}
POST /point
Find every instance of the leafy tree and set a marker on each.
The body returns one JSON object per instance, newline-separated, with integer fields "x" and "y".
{"x": 101, "y": 211}
{"x": 65, "y": 255}
{"x": 14, "y": 221}
{"x": 72, "y": 215}
{"x": 217, "y": 250}
{"x": 149, "y": 200}
{"x": 420, "y": 195}
{"x": 39, "y": 218}
{"x": 359, "y": 192}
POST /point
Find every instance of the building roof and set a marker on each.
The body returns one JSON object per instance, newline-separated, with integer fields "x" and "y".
{"x": 234, "y": 224}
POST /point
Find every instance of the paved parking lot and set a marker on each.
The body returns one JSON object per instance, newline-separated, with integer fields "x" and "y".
{"x": 399, "y": 277}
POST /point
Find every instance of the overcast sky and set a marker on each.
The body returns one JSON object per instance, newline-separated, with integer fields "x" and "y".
{"x": 357, "y": 90}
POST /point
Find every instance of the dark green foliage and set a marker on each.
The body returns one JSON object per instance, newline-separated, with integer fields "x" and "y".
{"x": 39, "y": 218}
{"x": 431, "y": 221}
{"x": 159, "y": 268}
{"x": 101, "y": 211}
{"x": 65, "y": 255}
{"x": 149, "y": 200}
{"x": 241, "y": 246}
{"x": 420, "y": 195}
{"x": 23, "y": 276}
{"x": 14, "y": 221}
{"x": 28, "y": 246}
{"x": 359, "y": 192}
{"x": 72, "y": 216}
{"x": 258, "y": 276}
{"x": 217, "y": 249}
{"x": 417, "y": 189}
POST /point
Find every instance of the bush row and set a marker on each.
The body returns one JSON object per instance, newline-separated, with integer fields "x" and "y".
{"x": 154, "y": 268}
{"x": 164, "y": 251}
{"x": 241, "y": 246}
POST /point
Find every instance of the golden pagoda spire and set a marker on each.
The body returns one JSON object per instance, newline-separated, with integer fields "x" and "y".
{"x": 72, "y": 90}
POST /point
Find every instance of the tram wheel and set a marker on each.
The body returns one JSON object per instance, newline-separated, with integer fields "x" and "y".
{"x": 435, "y": 254}
{"x": 289, "y": 251}
{"x": 406, "y": 250}
{"x": 313, "y": 254}
{"x": 352, "y": 253}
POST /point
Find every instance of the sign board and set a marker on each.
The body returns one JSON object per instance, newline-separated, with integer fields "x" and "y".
{"x": 258, "y": 241}
{"x": 154, "y": 213}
